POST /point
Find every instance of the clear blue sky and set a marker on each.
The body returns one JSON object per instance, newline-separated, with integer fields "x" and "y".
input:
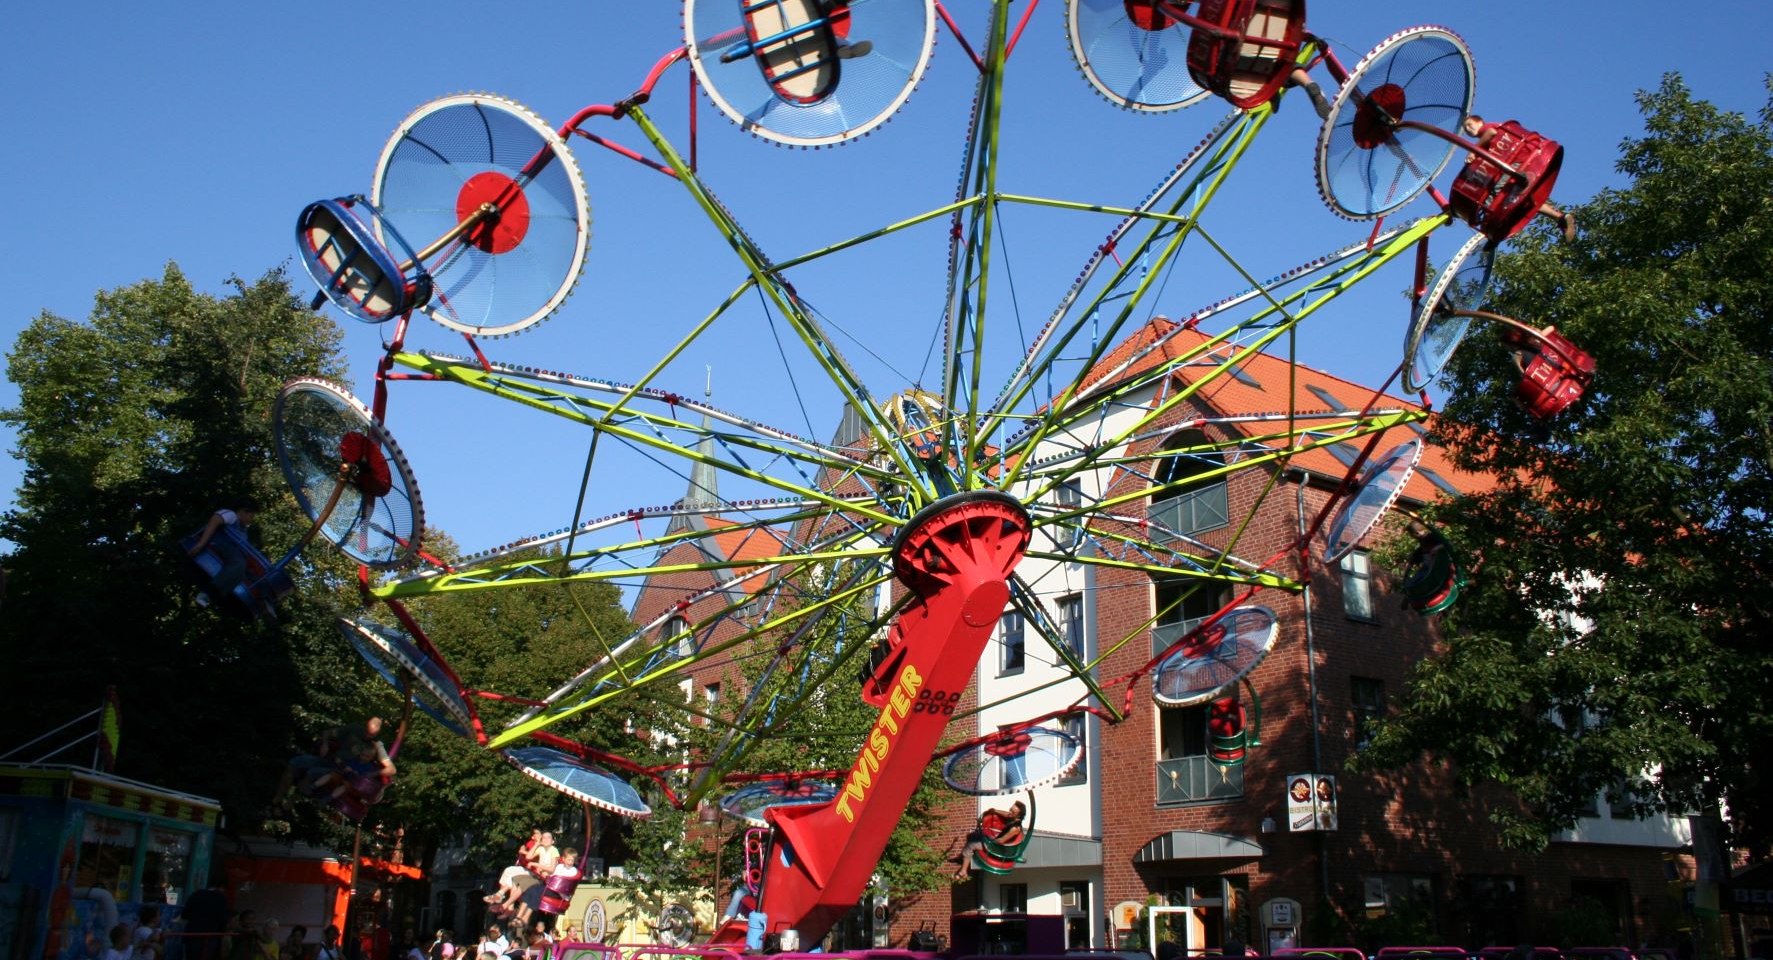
{"x": 194, "y": 132}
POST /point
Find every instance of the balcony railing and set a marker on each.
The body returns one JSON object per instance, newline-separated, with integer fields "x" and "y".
{"x": 1195, "y": 780}
{"x": 1164, "y": 634}
{"x": 1189, "y": 513}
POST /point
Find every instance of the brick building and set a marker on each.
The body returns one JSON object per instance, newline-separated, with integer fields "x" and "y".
{"x": 1149, "y": 816}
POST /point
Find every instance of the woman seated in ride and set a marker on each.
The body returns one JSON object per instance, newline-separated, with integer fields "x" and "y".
{"x": 526, "y": 857}
{"x": 1002, "y": 828}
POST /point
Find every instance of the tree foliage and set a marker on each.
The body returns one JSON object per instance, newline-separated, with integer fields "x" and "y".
{"x": 1614, "y": 638}
{"x": 519, "y": 643}
{"x": 133, "y": 427}
{"x": 136, "y": 424}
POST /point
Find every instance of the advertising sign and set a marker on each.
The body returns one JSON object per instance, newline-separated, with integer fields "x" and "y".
{"x": 1311, "y": 802}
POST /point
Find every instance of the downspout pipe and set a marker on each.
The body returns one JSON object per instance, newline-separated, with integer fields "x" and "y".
{"x": 1317, "y": 747}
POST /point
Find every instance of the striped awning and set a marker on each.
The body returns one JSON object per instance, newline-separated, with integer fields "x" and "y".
{"x": 1197, "y": 845}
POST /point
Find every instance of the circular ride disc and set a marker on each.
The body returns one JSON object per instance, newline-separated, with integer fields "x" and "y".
{"x": 749, "y": 802}
{"x": 318, "y": 426}
{"x": 1379, "y": 487}
{"x": 1029, "y": 758}
{"x": 1435, "y": 332}
{"x": 809, "y": 73}
{"x": 403, "y": 664}
{"x": 507, "y": 271}
{"x": 1216, "y": 658}
{"x": 1367, "y": 166}
{"x": 1132, "y": 53}
{"x": 579, "y": 780}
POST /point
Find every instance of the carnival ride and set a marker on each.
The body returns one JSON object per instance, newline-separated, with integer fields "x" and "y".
{"x": 964, "y": 439}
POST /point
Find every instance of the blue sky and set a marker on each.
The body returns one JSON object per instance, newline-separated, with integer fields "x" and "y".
{"x": 195, "y": 132}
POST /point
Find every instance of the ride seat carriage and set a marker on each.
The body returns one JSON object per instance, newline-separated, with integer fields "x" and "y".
{"x": 257, "y": 593}
{"x": 1247, "y": 59}
{"x": 994, "y": 856}
{"x": 557, "y": 894}
{"x": 1554, "y": 372}
{"x": 1499, "y": 201}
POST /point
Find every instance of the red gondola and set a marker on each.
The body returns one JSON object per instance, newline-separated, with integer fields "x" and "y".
{"x": 1500, "y": 198}
{"x": 1243, "y": 50}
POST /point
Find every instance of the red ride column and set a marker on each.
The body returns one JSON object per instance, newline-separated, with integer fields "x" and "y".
{"x": 956, "y": 556}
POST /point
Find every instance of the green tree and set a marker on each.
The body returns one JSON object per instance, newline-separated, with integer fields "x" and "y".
{"x": 1614, "y": 638}
{"x": 133, "y": 427}
{"x": 514, "y": 643}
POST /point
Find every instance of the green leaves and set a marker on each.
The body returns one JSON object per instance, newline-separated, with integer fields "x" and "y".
{"x": 1620, "y": 553}
{"x": 133, "y": 427}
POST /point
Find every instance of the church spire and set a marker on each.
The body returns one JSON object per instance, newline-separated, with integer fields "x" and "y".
{"x": 704, "y": 485}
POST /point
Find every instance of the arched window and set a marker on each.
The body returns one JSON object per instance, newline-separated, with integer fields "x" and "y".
{"x": 1180, "y": 508}
{"x": 678, "y": 627}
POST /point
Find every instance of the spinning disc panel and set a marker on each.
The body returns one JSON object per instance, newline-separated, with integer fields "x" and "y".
{"x": 1215, "y": 658}
{"x": 1435, "y": 330}
{"x": 403, "y": 664}
{"x": 1367, "y": 164}
{"x": 323, "y": 433}
{"x": 1379, "y": 488}
{"x": 809, "y": 73}
{"x": 748, "y": 803}
{"x": 579, "y": 780}
{"x": 1132, "y": 53}
{"x": 1023, "y": 760}
{"x": 513, "y": 267}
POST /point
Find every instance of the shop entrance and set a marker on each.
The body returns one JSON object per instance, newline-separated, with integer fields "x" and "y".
{"x": 1203, "y": 913}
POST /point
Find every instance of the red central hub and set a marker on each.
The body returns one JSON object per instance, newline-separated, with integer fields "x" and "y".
{"x": 956, "y": 556}
{"x": 1376, "y": 115}
{"x": 1146, "y": 16}
{"x": 498, "y": 232}
{"x": 368, "y": 468}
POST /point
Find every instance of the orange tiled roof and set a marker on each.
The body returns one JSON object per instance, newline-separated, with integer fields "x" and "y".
{"x": 1262, "y": 384}
{"x": 745, "y": 543}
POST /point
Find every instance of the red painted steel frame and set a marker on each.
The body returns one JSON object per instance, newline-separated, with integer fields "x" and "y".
{"x": 956, "y": 556}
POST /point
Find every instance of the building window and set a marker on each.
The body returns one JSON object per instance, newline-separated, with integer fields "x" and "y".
{"x": 1069, "y": 496}
{"x": 1185, "y": 774}
{"x": 676, "y": 632}
{"x": 1074, "y": 904}
{"x": 1013, "y": 639}
{"x": 107, "y": 855}
{"x": 1013, "y": 897}
{"x": 1368, "y": 695}
{"x": 1181, "y": 606}
{"x": 1621, "y": 798}
{"x": 1074, "y": 725}
{"x": 1406, "y": 898}
{"x": 1071, "y": 623}
{"x": 1182, "y": 508}
{"x": 1600, "y": 904}
{"x": 1357, "y": 585}
{"x": 711, "y": 693}
{"x": 1493, "y": 907}
{"x": 166, "y": 866}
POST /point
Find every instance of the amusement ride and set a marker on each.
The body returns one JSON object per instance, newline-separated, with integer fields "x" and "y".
{"x": 965, "y": 431}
